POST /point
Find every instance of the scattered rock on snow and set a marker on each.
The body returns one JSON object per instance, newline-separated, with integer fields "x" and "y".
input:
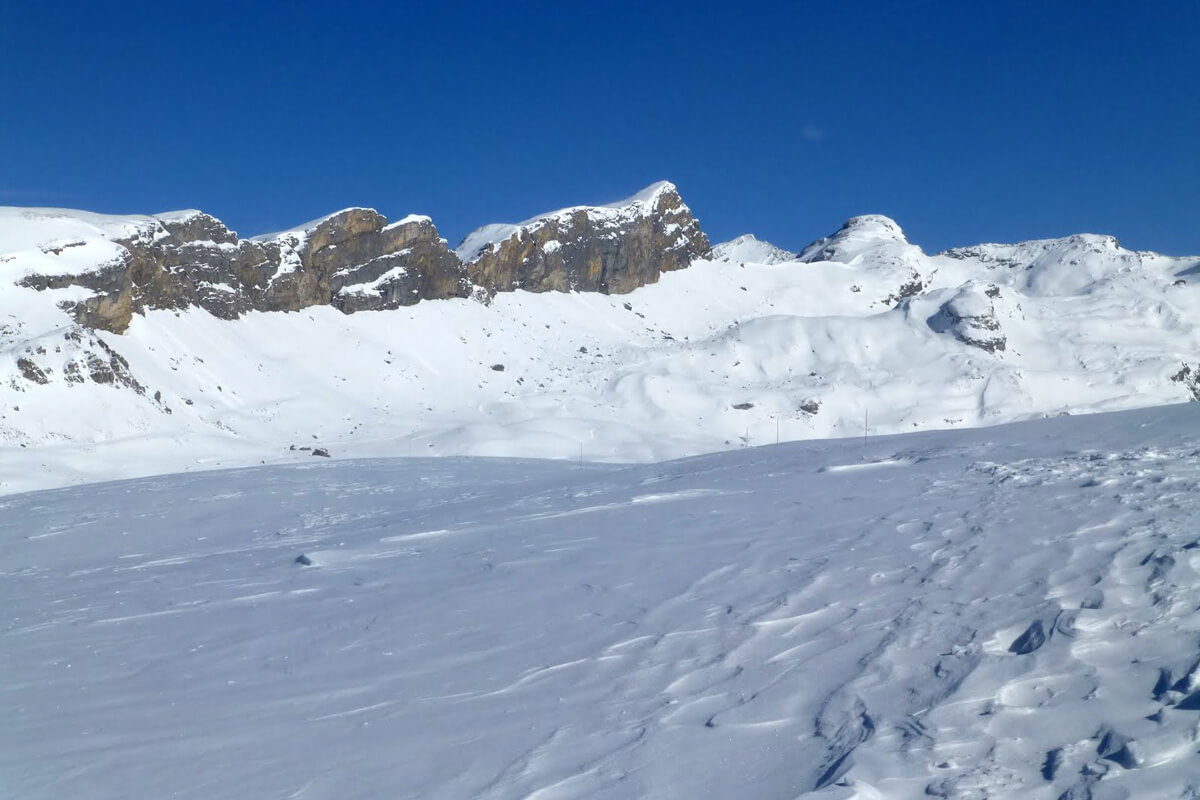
{"x": 1052, "y": 763}
{"x": 1190, "y": 703}
{"x": 1190, "y": 378}
{"x": 970, "y": 317}
{"x": 1116, "y": 747}
{"x": 1029, "y": 641}
{"x": 31, "y": 371}
{"x": 1190, "y": 678}
{"x": 1162, "y": 685}
{"x": 1092, "y": 599}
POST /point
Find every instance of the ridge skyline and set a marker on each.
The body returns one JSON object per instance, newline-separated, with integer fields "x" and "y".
{"x": 790, "y": 245}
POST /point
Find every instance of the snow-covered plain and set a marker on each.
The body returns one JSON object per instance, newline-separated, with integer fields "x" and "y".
{"x": 860, "y": 330}
{"x": 1007, "y": 612}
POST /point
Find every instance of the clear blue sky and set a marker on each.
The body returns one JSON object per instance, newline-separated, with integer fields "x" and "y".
{"x": 964, "y": 121}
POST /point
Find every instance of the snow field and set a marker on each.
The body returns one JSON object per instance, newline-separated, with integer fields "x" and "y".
{"x": 1004, "y": 613}
{"x": 717, "y": 356}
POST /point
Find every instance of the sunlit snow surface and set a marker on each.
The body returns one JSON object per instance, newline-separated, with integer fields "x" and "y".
{"x": 834, "y": 619}
{"x": 860, "y": 330}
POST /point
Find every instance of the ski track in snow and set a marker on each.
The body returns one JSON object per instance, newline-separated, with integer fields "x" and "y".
{"x": 983, "y": 614}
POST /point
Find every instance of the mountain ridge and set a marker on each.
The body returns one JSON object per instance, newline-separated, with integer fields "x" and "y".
{"x": 353, "y": 259}
{"x": 728, "y": 352}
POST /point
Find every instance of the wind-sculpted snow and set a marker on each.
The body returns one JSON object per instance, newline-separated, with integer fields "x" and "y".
{"x": 998, "y": 613}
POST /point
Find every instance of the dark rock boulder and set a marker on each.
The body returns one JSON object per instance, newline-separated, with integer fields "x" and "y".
{"x": 30, "y": 371}
{"x": 1189, "y": 378}
{"x": 1029, "y": 641}
{"x": 1117, "y": 748}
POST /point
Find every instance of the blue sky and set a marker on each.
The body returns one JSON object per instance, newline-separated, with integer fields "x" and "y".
{"x": 962, "y": 121}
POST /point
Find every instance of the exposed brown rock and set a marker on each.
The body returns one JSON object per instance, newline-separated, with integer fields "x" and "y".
{"x": 409, "y": 262}
{"x": 355, "y": 261}
{"x": 607, "y": 250}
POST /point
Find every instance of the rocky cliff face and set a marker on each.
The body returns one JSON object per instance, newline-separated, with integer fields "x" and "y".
{"x": 610, "y": 249}
{"x": 353, "y": 260}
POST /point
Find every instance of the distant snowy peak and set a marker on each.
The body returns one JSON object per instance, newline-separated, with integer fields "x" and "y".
{"x": 747, "y": 249}
{"x": 1066, "y": 266}
{"x": 857, "y": 237}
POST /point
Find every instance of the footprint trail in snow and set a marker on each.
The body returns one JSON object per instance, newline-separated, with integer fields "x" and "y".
{"x": 1001, "y": 613}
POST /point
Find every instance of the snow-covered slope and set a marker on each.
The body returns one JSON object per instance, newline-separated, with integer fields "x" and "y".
{"x": 863, "y": 331}
{"x": 748, "y": 248}
{"x": 55, "y": 241}
{"x": 1004, "y": 613}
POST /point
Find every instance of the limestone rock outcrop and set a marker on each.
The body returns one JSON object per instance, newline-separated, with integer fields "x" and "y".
{"x": 356, "y": 261}
{"x": 611, "y": 249}
{"x": 353, "y": 260}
